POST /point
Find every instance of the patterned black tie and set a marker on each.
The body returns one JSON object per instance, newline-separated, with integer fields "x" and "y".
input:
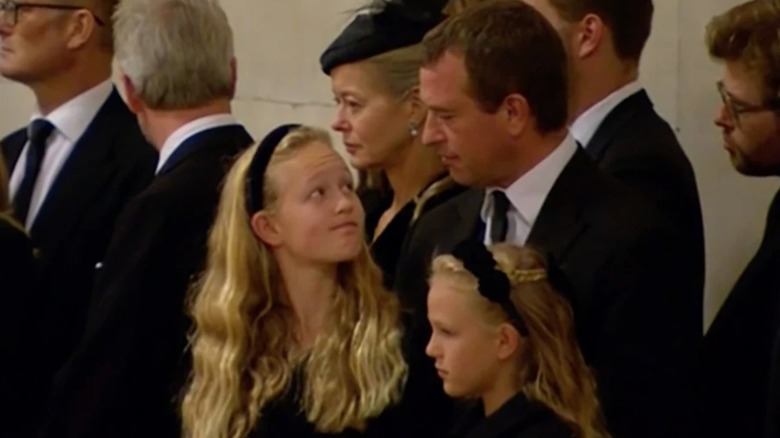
{"x": 499, "y": 223}
{"x": 39, "y": 132}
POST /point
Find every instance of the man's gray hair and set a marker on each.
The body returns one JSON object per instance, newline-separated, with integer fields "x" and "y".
{"x": 176, "y": 53}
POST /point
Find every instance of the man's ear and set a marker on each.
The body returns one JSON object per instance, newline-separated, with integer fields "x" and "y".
{"x": 80, "y": 29}
{"x": 134, "y": 102}
{"x": 234, "y": 76}
{"x": 517, "y": 112}
{"x": 589, "y": 36}
{"x": 266, "y": 229}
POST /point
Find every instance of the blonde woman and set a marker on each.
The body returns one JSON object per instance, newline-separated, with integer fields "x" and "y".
{"x": 294, "y": 334}
{"x": 503, "y": 335}
{"x": 374, "y": 67}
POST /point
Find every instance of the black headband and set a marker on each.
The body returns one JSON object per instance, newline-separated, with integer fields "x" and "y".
{"x": 493, "y": 282}
{"x": 256, "y": 175}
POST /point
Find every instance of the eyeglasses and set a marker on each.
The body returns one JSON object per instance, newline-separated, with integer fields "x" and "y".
{"x": 10, "y": 11}
{"x": 736, "y": 107}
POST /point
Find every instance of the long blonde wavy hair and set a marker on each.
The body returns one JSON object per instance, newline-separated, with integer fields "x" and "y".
{"x": 551, "y": 365}
{"x": 243, "y": 353}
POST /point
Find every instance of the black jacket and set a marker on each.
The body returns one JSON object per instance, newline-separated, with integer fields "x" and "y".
{"x": 124, "y": 379}
{"x": 738, "y": 345}
{"x": 519, "y": 417}
{"x": 637, "y": 147}
{"x": 109, "y": 164}
{"x": 386, "y": 248}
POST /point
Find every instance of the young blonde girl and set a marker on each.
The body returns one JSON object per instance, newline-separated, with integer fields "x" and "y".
{"x": 504, "y": 336}
{"x": 294, "y": 334}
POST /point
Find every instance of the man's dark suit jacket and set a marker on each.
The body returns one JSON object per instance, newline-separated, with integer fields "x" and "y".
{"x": 109, "y": 164}
{"x": 637, "y": 147}
{"x": 772, "y": 420}
{"x": 738, "y": 345}
{"x": 629, "y": 290}
{"x": 124, "y": 379}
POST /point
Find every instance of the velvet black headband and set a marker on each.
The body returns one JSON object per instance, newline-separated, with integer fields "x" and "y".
{"x": 256, "y": 175}
{"x": 493, "y": 282}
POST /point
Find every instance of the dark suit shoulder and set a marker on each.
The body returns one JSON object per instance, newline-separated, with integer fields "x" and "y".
{"x": 519, "y": 417}
{"x": 15, "y": 137}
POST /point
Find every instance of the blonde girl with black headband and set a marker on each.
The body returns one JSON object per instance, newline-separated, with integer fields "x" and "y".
{"x": 504, "y": 336}
{"x": 294, "y": 334}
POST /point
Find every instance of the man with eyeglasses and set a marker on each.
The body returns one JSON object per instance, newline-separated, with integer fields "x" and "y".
{"x": 71, "y": 172}
{"x": 738, "y": 345}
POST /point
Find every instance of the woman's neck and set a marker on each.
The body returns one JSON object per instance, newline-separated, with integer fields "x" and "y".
{"x": 309, "y": 293}
{"x": 411, "y": 173}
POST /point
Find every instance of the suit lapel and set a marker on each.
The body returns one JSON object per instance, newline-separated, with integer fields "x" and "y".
{"x": 562, "y": 218}
{"x": 614, "y": 121}
{"x": 12, "y": 148}
{"x": 469, "y": 224}
{"x": 81, "y": 177}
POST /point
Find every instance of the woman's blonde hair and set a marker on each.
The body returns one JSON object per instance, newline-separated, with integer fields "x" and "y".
{"x": 243, "y": 356}
{"x": 552, "y": 368}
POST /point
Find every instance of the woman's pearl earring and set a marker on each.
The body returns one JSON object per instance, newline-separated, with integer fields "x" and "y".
{"x": 413, "y": 130}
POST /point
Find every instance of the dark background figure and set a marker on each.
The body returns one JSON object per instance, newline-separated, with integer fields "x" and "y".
{"x": 71, "y": 172}
{"x": 501, "y": 128}
{"x": 738, "y": 344}
{"x": 18, "y": 287}
{"x": 124, "y": 379}
{"x": 613, "y": 118}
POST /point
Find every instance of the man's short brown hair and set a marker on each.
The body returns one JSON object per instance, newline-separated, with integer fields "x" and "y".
{"x": 508, "y": 47}
{"x": 629, "y": 20}
{"x": 750, "y": 34}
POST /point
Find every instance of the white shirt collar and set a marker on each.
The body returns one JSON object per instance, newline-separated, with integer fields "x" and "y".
{"x": 584, "y": 128}
{"x": 190, "y": 129}
{"x": 74, "y": 116}
{"x": 528, "y": 193}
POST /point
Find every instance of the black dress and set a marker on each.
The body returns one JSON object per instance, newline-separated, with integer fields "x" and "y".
{"x": 387, "y": 247}
{"x": 424, "y": 410}
{"x": 517, "y": 418}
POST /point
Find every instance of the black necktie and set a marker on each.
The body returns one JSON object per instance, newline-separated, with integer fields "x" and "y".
{"x": 499, "y": 223}
{"x": 39, "y": 133}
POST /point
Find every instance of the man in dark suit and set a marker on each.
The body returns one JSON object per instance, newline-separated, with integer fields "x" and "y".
{"x": 738, "y": 344}
{"x": 124, "y": 379}
{"x": 500, "y": 127}
{"x": 612, "y": 117}
{"x": 72, "y": 171}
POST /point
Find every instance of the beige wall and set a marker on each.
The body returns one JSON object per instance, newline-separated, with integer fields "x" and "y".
{"x": 278, "y": 43}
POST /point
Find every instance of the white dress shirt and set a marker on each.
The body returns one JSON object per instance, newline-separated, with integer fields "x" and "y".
{"x": 190, "y": 129}
{"x": 70, "y": 121}
{"x": 527, "y": 194}
{"x": 584, "y": 128}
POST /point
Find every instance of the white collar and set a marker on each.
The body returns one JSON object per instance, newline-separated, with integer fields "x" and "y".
{"x": 584, "y": 128}
{"x": 190, "y": 129}
{"x": 528, "y": 193}
{"x": 74, "y": 116}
